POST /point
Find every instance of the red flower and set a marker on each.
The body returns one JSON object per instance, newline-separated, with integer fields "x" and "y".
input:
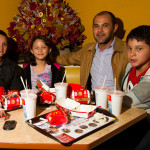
{"x": 52, "y": 29}
{"x": 12, "y": 25}
{"x": 54, "y": 40}
{"x": 50, "y": 18}
{"x": 37, "y": 20}
{"x": 70, "y": 27}
{"x": 33, "y": 6}
{"x": 70, "y": 11}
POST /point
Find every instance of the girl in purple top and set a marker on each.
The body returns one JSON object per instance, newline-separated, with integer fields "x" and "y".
{"x": 40, "y": 63}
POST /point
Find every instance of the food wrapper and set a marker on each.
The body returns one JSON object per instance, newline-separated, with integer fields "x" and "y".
{"x": 14, "y": 92}
{"x": 47, "y": 97}
{"x": 2, "y": 114}
{"x": 81, "y": 96}
{"x": 11, "y": 101}
{"x": 41, "y": 86}
{"x": 57, "y": 117}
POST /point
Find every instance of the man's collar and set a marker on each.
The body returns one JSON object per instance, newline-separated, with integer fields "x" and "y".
{"x": 111, "y": 45}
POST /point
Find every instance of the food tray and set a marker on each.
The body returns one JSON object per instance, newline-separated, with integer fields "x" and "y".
{"x": 77, "y": 128}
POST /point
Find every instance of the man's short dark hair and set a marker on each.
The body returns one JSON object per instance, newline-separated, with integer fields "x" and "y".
{"x": 113, "y": 18}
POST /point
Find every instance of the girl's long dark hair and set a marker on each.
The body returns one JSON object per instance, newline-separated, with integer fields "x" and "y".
{"x": 51, "y": 57}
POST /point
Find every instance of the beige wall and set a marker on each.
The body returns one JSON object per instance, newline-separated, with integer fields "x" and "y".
{"x": 132, "y": 12}
{"x": 8, "y": 9}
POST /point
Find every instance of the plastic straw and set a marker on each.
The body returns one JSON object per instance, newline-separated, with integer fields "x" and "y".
{"x": 24, "y": 86}
{"x": 104, "y": 82}
{"x": 23, "y": 83}
{"x": 115, "y": 87}
{"x": 64, "y": 77}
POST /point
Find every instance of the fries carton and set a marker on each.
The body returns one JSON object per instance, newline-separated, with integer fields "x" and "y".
{"x": 66, "y": 105}
{"x": 74, "y": 108}
{"x": 84, "y": 111}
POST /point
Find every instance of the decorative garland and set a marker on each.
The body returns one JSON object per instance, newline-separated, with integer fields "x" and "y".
{"x": 53, "y": 18}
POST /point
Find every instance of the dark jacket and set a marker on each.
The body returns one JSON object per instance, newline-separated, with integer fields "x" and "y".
{"x": 56, "y": 74}
{"x": 9, "y": 77}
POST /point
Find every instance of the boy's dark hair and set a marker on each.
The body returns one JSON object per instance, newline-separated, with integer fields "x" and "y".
{"x": 113, "y": 18}
{"x": 140, "y": 33}
{"x": 30, "y": 58}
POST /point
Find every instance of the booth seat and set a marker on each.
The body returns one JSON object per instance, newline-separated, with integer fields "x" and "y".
{"x": 72, "y": 74}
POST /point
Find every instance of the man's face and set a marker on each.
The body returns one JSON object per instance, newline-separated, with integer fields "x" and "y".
{"x": 103, "y": 29}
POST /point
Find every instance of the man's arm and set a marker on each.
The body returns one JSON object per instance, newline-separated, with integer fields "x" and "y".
{"x": 72, "y": 58}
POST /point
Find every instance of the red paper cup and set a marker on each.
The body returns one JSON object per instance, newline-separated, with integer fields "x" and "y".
{"x": 2, "y": 91}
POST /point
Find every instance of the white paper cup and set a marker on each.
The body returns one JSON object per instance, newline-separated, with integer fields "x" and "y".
{"x": 29, "y": 105}
{"x": 28, "y": 90}
{"x": 115, "y": 99}
{"x": 61, "y": 90}
{"x": 101, "y": 96}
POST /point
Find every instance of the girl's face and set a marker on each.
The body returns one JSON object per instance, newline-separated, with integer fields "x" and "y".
{"x": 40, "y": 50}
{"x": 3, "y": 45}
{"x": 138, "y": 54}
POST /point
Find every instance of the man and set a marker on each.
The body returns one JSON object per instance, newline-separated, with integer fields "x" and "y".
{"x": 105, "y": 57}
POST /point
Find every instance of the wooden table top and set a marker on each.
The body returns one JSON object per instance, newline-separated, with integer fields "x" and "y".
{"x": 25, "y": 137}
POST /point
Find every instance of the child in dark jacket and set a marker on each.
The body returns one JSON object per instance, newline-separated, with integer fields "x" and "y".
{"x": 9, "y": 77}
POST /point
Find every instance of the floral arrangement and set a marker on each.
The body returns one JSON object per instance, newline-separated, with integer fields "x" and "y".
{"x": 53, "y": 18}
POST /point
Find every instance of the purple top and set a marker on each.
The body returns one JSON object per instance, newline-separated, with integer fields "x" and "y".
{"x": 45, "y": 76}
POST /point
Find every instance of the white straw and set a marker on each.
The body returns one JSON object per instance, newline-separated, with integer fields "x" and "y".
{"x": 23, "y": 83}
{"x": 24, "y": 86}
{"x": 104, "y": 82}
{"x": 64, "y": 76}
{"x": 115, "y": 87}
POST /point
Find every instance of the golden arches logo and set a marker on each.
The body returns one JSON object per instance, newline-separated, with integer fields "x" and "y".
{"x": 56, "y": 113}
